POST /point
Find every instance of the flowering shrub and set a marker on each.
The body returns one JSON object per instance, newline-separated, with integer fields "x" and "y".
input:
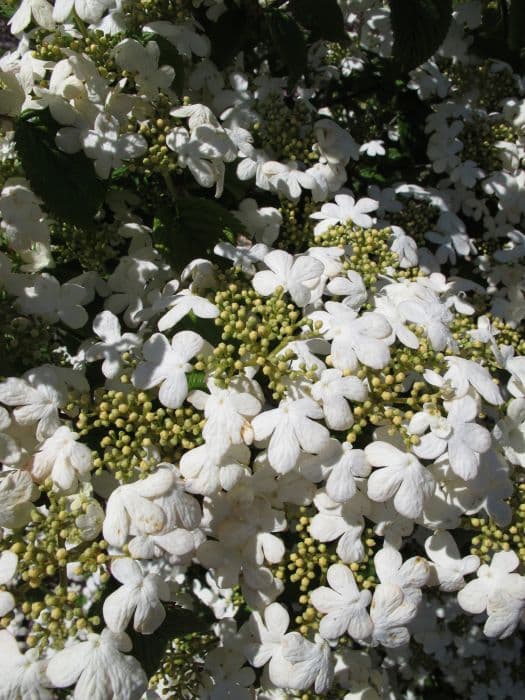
{"x": 262, "y": 397}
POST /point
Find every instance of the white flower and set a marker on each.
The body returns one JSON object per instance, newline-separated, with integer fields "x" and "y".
{"x": 510, "y": 432}
{"x": 166, "y": 364}
{"x": 107, "y": 147}
{"x": 36, "y": 402}
{"x": 448, "y": 566}
{"x": 263, "y": 223}
{"x": 428, "y": 311}
{"x": 291, "y": 429}
{"x": 181, "y": 304}
{"x": 10, "y": 453}
{"x": 156, "y": 513}
{"x": 139, "y": 597}
{"x": 8, "y": 565}
{"x": 373, "y": 148}
{"x": 184, "y": 38}
{"x": 265, "y": 642}
{"x": 21, "y": 675}
{"x": 16, "y": 493}
{"x": 499, "y": 592}
{"x": 63, "y": 459}
{"x": 46, "y": 297}
{"x": 40, "y": 10}
{"x": 333, "y": 391}
{"x": 463, "y": 373}
{"x": 88, "y": 10}
{"x": 143, "y": 61}
{"x": 355, "y": 338}
{"x": 335, "y": 144}
{"x": 390, "y": 611}
{"x": 311, "y": 662}
{"x": 205, "y": 469}
{"x": 340, "y": 521}
{"x": 296, "y": 275}
{"x": 410, "y": 575}
{"x": 402, "y": 478}
{"x": 111, "y": 345}
{"x": 226, "y": 412}
{"x": 99, "y": 668}
{"x": 351, "y": 287}
{"x": 344, "y": 605}
{"x": 345, "y": 209}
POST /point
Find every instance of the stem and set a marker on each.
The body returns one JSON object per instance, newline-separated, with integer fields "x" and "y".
{"x": 169, "y": 185}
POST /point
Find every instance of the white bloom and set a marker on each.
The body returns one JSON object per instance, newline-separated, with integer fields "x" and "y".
{"x": 410, "y": 575}
{"x": 402, "y": 478}
{"x": 448, "y": 566}
{"x": 88, "y": 10}
{"x": 291, "y": 429}
{"x": 206, "y": 469}
{"x": 16, "y": 493}
{"x": 344, "y": 605}
{"x": 10, "y": 453}
{"x": 265, "y": 642}
{"x": 390, "y": 611}
{"x": 139, "y": 597}
{"x": 8, "y": 565}
{"x": 373, "y": 148}
{"x": 311, "y": 662}
{"x": 340, "y": 521}
{"x": 184, "y": 38}
{"x": 63, "y": 459}
{"x": 107, "y": 147}
{"x": 333, "y": 391}
{"x": 345, "y": 209}
{"x": 226, "y": 412}
{"x": 21, "y": 675}
{"x": 166, "y": 364}
{"x": 351, "y": 287}
{"x": 143, "y": 61}
{"x": 40, "y": 10}
{"x": 181, "y": 304}
{"x": 99, "y": 668}
{"x": 36, "y": 401}
{"x": 296, "y": 275}
{"x": 44, "y": 296}
{"x": 111, "y": 345}
{"x": 499, "y": 592}
{"x": 355, "y": 338}
{"x": 510, "y": 432}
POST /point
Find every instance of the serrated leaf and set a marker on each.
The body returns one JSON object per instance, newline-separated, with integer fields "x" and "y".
{"x": 191, "y": 227}
{"x": 419, "y": 27}
{"x": 66, "y": 183}
{"x": 322, "y": 17}
{"x": 288, "y": 41}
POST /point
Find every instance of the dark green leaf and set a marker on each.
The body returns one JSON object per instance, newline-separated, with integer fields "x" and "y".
{"x": 288, "y": 40}
{"x": 227, "y": 36}
{"x": 517, "y": 25}
{"x": 66, "y": 183}
{"x": 420, "y": 27}
{"x": 171, "y": 57}
{"x": 196, "y": 380}
{"x": 149, "y": 649}
{"x": 191, "y": 227}
{"x": 322, "y": 17}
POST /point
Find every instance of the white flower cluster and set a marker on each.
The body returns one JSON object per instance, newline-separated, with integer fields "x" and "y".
{"x": 313, "y": 436}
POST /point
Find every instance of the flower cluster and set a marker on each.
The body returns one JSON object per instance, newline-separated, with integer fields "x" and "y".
{"x": 262, "y": 411}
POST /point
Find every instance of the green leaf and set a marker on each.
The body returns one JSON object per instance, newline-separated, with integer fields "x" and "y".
{"x": 196, "y": 380}
{"x": 288, "y": 40}
{"x": 179, "y": 622}
{"x": 517, "y": 25}
{"x": 171, "y": 57}
{"x": 191, "y": 227}
{"x": 66, "y": 183}
{"x": 227, "y": 36}
{"x": 420, "y": 27}
{"x": 322, "y": 17}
